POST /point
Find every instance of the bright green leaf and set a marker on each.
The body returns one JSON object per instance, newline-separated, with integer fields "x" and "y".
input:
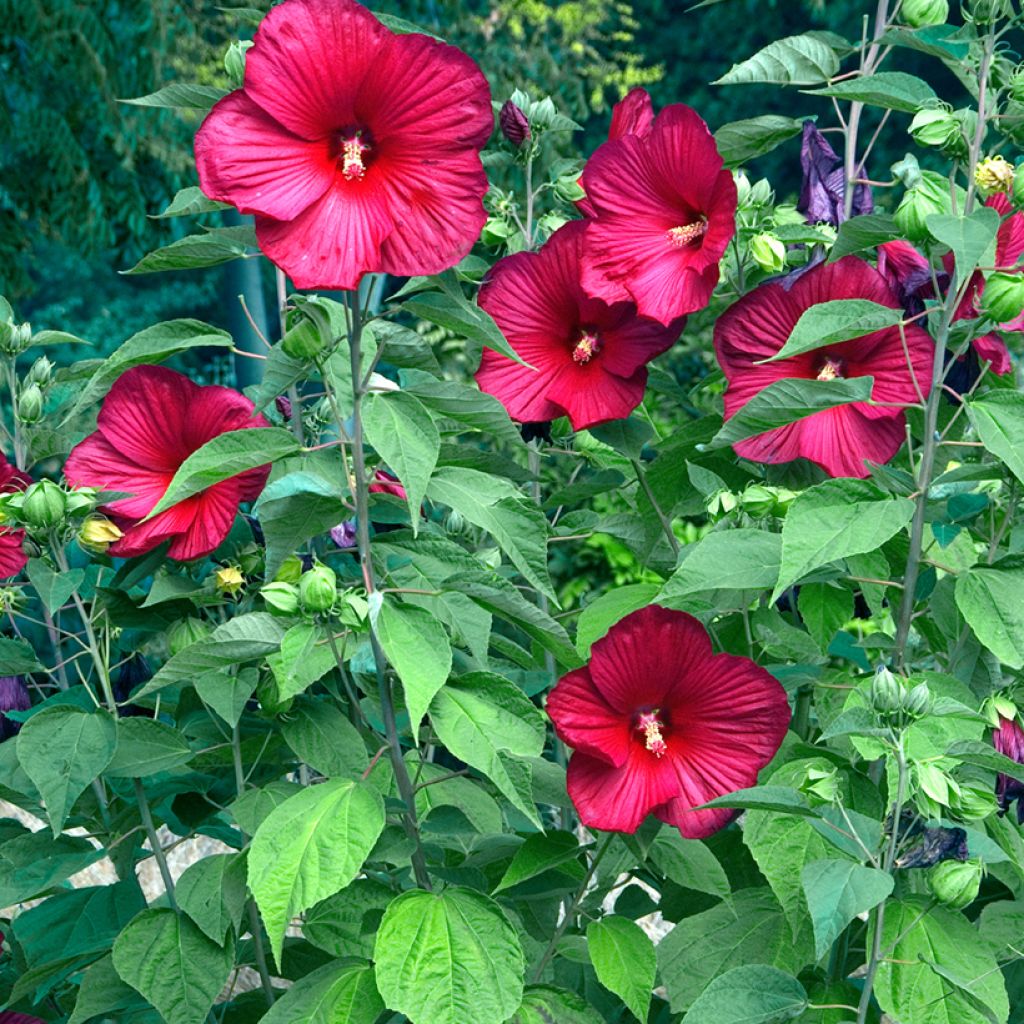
{"x": 212, "y": 892}
{"x": 338, "y": 993}
{"x": 753, "y": 994}
{"x": 833, "y": 322}
{"x": 742, "y": 141}
{"x": 624, "y": 960}
{"x": 145, "y": 747}
{"x": 837, "y": 891}
{"x": 795, "y": 60}
{"x": 998, "y": 417}
{"x": 893, "y": 90}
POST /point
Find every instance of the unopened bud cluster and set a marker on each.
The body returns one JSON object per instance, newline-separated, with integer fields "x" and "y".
{"x": 895, "y": 702}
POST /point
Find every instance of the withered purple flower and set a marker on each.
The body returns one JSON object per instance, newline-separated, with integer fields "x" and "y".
{"x": 824, "y": 189}
{"x": 13, "y": 697}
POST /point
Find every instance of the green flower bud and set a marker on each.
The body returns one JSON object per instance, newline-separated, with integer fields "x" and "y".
{"x": 281, "y": 597}
{"x": 974, "y": 803}
{"x": 1004, "y": 706}
{"x": 269, "y": 697}
{"x": 97, "y": 533}
{"x": 918, "y": 204}
{"x": 251, "y": 560}
{"x": 490, "y": 557}
{"x": 761, "y": 193}
{"x": 985, "y": 12}
{"x": 495, "y": 232}
{"x": 918, "y": 702}
{"x": 569, "y": 189}
{"x": 907, "y": 171}
{"x": 44, "y": 506}
{"x": 303, "y": 341}
{"x": 318, "y": 589}
{"x": 758, "y": 500}
{"x": 924, "y": 13}
{"x": 290, "y": 571}
{"x": 186, "y": 632}
{"x": 1016, "y": 83}
{"x": 234, "y": 61}
{"x": 15, "y": 338}
{"x": 935, "y": 126}
{"x": 454, "y": 522}
{"x": 956, "y": 883}
{"x": 886, "y": 692}
{"x": 742, "y": 187}
{"x": 1002, "y": 298}
{"x": 30, "y": 404}
{"x": 769, "y": 252}
{"x": 822, "y": 784}
{"x": 40, "y": 373}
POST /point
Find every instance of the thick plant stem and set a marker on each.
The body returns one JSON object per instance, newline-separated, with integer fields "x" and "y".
{"x": 890, "y": 858}
{"x": 154, "y": 841}
{"x": 402, "y": 780}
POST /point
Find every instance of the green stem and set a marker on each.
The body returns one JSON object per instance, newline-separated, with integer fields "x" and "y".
{"x": 154, "y": 841}
{"x": 293, "y": 392}
{"x": 666, "y": 525}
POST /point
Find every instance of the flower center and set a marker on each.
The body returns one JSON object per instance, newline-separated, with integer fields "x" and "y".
{"x": 680, "y": 237}
{"x": 651, "y": 725}
{"x": 354, "y": 150}
{"x": 587, "y": 347}
{"x": 830, "y": 369}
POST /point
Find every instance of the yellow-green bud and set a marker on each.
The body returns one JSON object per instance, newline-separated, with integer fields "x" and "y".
{"x": 918, "y": 204}
{"x": 956, "y": 883}
{"x": 994, "y": 174}
{"x": 974, "y": 803}
{"x": 281, "y": 597}
{"x": 44, "y": 505}
{"x": 769, "y": 252}
{"x": 985, "y": 12}
{"x": 742, "y": 187}
{"x": 918, "y": 702}
{"x": 1002, "y": 299}
{"x": 758, "y": 500}
{"x": 234, "y": 61}
{"x": 318, "y": 589}
{"x": 924, "y": 13}
{"x": 229, "y": 579}
{"x": 303, "y": 341}
{"x": 495, "y": 232}
{"x": 40, "y": 372}
{"x": 186, "y": 632}
{"x": 935, "y": 126}
{"x": 97, "y": 533}
{"x": 30, "y": 404}
{"x": 290, "y": 571}
{"x": 886, "y": 692}
{"x": 14, "y": 338}
{"x": 569, "y": 189}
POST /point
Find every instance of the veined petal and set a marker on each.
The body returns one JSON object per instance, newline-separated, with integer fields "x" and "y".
{"x": 591, "y": 394}
{"x": 211, "y": 514}
{"x": 95, "y": 462}
{"x": 586, "y": 722}
{"x": 992, "y": 349}
{"x": 632, "y": 115}
{"x": 12, "y": 554}
{"x": 521, "y": 390}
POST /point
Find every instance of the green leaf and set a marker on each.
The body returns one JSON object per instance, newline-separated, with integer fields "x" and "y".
{"x": 541, "y": 852}
{"x": 599, "y": 616}
{"x": 34, "y": 862}
{"x": 325, "y": 739}
{"x": 748, "y": 929}
{"x": 172, "y": 964}
{"x": 689, "y": 863}
{"x": 894, "y": 90}
{"x": 193, "y": 252}
{"x": 212, "y": 892}
{"x": 543, "y": 1004}
{"x": 624, "y": 960}
{"x": 825, "y": 609}
{"x": 17, "y": 658}
{"x": 627, "y": 436}
{"x": 981, "y": 755}
{"x": 909, "y": 989}
{"x": 469, "y": 407}
{"x": 740, "y": 559}
{"x": 1001, "y": 925}
{"x": 305, "y": 657}
{"x": 754, "y": 994}
{"x": 863, "y": 232}
{"x": 62, "y": 749}
{"x": 227, "y": 693}
{"x": 795, "y": 60}
{"x": 145, "y": 747}
{"x": 480, "y": 716}
{"x": 831, "y": 323}
{"x": 188, "y": 202}
{"x": 989, "y": 598}
{"x": 998, "y": 417}
{"x": 223, "y": 457}
{"x": 338, "y": 993}
{"x": 181, "y": 95}
{"x": 152, "y": 345}
{"x": 243, "y": 638}
{"x": 971, "y": 238}
{"x": 789, "y": 400}
{"x": 404, "y": 435}
{"x": 346, "y": 923}
{"x": 837, "y": 891}
{"x": 310, "y": 847}
{"x": 778, "y": 799}
{"x": 443, "y": 956}
{"x": 742, "y": 141}
{"x": 418, "y": 647}
{"x": 834, "y": 520}
{"x": 515, "y": 522}
{"x": 101, "y": 992}
{"x": 54, "y": 589}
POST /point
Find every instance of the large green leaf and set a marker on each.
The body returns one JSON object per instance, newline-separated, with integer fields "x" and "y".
{"x": 193, "y": 252}
{"x": 418, "y": 647}
{"x": 101, "y": 992}
{"x": 34, "y": 862}
{"x": 599, "y": 616}
{"x": 742, "y": 141}
{"x": 145, "y": 747}
{"x": 786, "y": 401}
{"x": 188, "y": 95}
{"x": 833, "y": 520}
{"x": 223, "y": 457}
{"x": 305, "y": 656}
{"x": 310, "y": 847}
{"x": 462, "y": 318}
{"x": 998, "y": 417}
{"x": 212, "y": 892}
{"x": 62, "y": 749}
{"x": 989, "y": 598}
{"x": 53, "y": 588}
{"x": 515, "y": 522}
{"x": 541, "y": 852}
{"x": 172, "y": 964}
{"x": 837, "y": 891}
{"x": 740, "y": 559}
{"x": 346, "y": 923}
{"x": 543, "y": 1004}
{"x": 689, "y": 863}
{"x": 338, "y": 993}
{"x": 748, "y": 929}
{"x": 894, "y": 90}
{"x": 795, "y": 60}
{"x": 17, "y": 658}
{"x": 918, "y": 934}
{"x": 325, "y": 739}
{"x": 624, "y": 960}
{"x": 972, "y": 238}
{"x": 836, "y": 321}
{"x": 863, "y": 232}
{"x": 752, "y": 994}
{"x": 403, "y": 432}
{"x": 467, "y": 406}
{"x": 449, "y": 957}
{"x": 189, "y": 202}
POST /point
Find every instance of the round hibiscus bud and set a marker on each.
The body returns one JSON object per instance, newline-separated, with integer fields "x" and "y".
{"x": 1003, "y": 297}
{"x": 40, "y": 372}
{"x": 930, "y": 196}
{"x": 44, "y": 505}
{"x": 281, "y": 597}
{"x": 30, "y": 404}
{"x": 886, "y": 692}
{"x": 14, "y": 338}
{"x": 924, "y": 13}
{"x": 956, "y": 883}
{"x": 918, "y": 702}
{"x": 994, "y": 174}
{"x": 973, "y": 803}
{"x": 234, "y": 61}
{"x": 97, "y": 533}
{"x": 303, "y": 341}
{"x": 769, "y": 252}
{"x": 318, "y": 589}
{"x": 514, "y": 123}
{"x": 186, "y": 632}
{"x": 935, "y": 126}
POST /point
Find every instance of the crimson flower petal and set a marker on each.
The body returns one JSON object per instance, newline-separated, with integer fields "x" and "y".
{"x": 12, "y": 554}
{"x": 992, "y": 349}
{"x": 632, "y": 115}
{"x": 586, "y": 721}
{"x": 95, "y": 462}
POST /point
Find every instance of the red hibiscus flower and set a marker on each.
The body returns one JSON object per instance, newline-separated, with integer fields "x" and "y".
{"x": 660, "y": 725}
{"x": 589, "y": 357}
{"x": 839, "y": 439}
{"x": 664, "y": 210}
{"x": 356, "y": 148}
{"x": 386, "y": 483}
{"x": 151, "y": 421}
{"x": 1008, "y": 739}
{"x": 12, "y": 555}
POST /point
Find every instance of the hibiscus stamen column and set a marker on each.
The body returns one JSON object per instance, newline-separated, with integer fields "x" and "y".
{"x": 402, "y": 780}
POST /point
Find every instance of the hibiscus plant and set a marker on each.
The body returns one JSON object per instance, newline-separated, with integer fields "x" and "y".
{"x": 485, "y": 662}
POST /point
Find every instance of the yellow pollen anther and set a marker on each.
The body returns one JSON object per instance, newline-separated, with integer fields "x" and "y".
{"x": 352, "y": 166}
{"x": 651, "y": 727}
{"x": 586, "y": 348}
{"x": 683, "y": 235}
{"x": 830, "y": 370}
